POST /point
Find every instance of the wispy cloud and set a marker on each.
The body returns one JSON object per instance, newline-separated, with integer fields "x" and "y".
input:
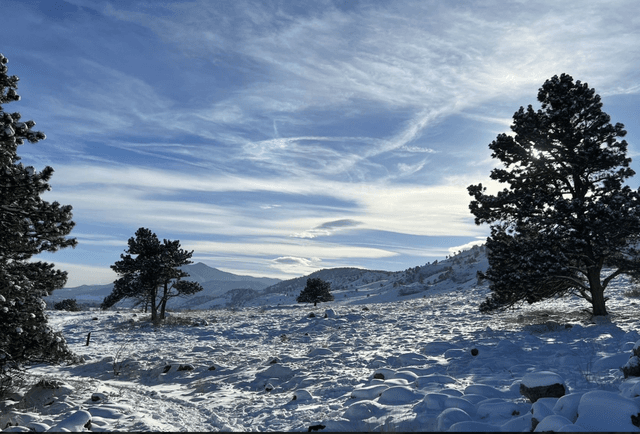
{"x": 327, "y": 228}
{"x": 131, "y": 194}
{"x": 273, "y": 129}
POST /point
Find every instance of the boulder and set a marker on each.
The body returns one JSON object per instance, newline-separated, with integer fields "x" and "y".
{"x": 601, "y": 410}
{"x": 450, "y": 416}
{"x": 75, "y": 422}
{"x": 553, "y": 423}
{"x": 632, "y": 367}
{"x": 186, "y": 367}
{"x": 95, "y": 397}
{"x": 302, "y": 395}
{"x": 542, "y": 384}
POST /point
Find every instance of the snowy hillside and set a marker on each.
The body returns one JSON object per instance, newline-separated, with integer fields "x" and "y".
{"x": 358, "y": 286}
{"x": 426, "y": 361}
{"x": 354, "y": 285}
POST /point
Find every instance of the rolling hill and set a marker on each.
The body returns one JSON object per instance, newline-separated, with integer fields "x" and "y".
{"x": 353, "y": 285}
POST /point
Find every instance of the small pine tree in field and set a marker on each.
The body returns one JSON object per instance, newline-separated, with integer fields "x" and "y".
{"x": 28, "y": 226}
{"x": 317, "y": 290}
{"x": 69, "y": 304}
{"x": 153, "y": 275}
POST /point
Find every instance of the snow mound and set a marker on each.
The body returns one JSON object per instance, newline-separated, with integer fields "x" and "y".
{"x": 600, "y": 410}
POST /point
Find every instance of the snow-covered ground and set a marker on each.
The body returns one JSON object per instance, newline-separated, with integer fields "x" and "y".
{"x": 362, "y": 363}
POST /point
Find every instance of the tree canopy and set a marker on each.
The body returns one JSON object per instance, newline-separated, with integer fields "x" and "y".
{"x": 565, "y": 213}
{"x": 316, "y": 291}
{"x": 28, "y": 226}
{"x": 153, "y": 275}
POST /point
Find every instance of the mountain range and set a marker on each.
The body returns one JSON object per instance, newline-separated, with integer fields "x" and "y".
{"x": 351, "y": 285}
{"x": 216, "y": 284}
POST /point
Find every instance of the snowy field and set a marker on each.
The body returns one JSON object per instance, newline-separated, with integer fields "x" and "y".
{"x": 403, "y": 365}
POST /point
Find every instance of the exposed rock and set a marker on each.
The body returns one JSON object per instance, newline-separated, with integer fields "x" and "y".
{"x": 543, "y": 384}
{"x": 632, "y": 367}
{"x": 212, "y": 368}
{"x": 302, "y": 395}
{"x": 186, "y": 367}
{"x": 474, "y": 351}
{"x": 379, "y": 375}
{"x": 312, "y": 315}
{"x": 95, "y": 397}
{"x": 535, "y": 393}
{"x": 74, "y": 422}
{"x": 329, "y": 313}
{"x": 166, "y": 369}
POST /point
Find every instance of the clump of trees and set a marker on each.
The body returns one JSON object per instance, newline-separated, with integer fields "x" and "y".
{"x": 316, "y": 291}
{"x": 565, "y": 214}
{"x": 69, "y": 304}
{"x": 28, "y": 226}
{"x": 150, "y": 273}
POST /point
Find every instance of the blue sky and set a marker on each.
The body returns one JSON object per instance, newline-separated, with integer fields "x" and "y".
{"x": 276, "y": 138}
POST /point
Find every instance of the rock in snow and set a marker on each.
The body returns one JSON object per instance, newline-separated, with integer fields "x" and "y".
{"x": 74, "y": 423}
{"x": 542, "y": 384}
{"x": 600, "y": 410}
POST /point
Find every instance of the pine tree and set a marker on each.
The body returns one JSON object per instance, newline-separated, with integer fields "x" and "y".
{"x": 28, "y": 226}
{"x": 317, "y": 290}
{"x": 565, "y": 214}
{"x": 69, "y": 304}
{"x": 153, "y": 276}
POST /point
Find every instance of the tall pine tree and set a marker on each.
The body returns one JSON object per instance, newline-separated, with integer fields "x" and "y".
{"x": 153, "y": 275}
{"x": 28, "y": 226}
{"x": 565, "y": 213}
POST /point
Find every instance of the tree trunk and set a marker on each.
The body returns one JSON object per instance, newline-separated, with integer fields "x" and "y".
{"x": 154, "y": 306}
{"x": 597, "y": 292}
{"x": 163, "y": 301}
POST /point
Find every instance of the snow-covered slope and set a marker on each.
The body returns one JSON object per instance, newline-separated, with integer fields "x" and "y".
{"x": 404, "y": 365}
{"x": 358, "y": 286}
{"x": 354, "y": 285}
